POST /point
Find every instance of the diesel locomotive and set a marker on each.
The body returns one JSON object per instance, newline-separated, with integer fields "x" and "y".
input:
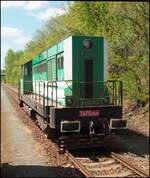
{"x": 66, "y": 90}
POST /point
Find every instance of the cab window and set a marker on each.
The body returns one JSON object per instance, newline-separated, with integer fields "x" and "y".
{"x": 60, "y": 62}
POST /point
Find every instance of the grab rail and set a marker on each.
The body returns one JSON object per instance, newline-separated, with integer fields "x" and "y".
{"x": 47, "y": 92}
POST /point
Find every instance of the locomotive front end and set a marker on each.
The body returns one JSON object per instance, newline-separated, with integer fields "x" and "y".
{"x": 93, "y": 105}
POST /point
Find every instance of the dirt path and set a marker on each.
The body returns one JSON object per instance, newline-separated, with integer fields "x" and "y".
{"x": 21, "y": 156}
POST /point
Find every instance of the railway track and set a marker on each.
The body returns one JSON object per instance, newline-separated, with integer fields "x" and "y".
{"x": 13, "y": 91}
{"x": 110, "y": 165}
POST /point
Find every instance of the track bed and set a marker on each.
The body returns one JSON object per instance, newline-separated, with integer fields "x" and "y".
{"x": 103, "y": 163}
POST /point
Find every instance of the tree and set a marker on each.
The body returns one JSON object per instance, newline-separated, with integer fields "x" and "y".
{"x": 11, "y": 65}
{"x": 130, "y": 49}
{"x": 124, "y": 24}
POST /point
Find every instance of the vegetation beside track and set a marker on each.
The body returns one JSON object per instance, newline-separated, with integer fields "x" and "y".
{"x": 124, "y": 24}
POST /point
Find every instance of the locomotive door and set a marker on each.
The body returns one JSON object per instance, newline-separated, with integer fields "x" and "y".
{"x": 88, "y": 78}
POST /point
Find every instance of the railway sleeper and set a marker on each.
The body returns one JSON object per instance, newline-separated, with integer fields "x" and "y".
{"x": 107, "y": 162}
{"x": 100, "y": 169}
{"x": 122, "y": 174}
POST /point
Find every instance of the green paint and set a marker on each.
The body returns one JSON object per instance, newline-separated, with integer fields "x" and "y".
{"x": 27, "y": 76}
{"x": 49, "y": 69}
{"x": 54, "y": 73}
{"x": 40, "y": 75}
{"x": 68, "y": 91}
{"x": 44, "y": 55}
{"x": 60, "y": 74}
{"x": 52, "y": 51}
{"x": 60, "y": 47}
{"x": 36, "y": 60}
{"x": 80, "y": 54}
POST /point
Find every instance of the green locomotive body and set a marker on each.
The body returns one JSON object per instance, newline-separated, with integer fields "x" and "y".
{"x": 66, "y": 87}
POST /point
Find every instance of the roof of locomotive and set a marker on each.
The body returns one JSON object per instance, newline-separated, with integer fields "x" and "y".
{"x": 57, "y": 43}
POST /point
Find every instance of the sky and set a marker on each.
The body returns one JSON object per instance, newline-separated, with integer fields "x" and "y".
{"x": 21, "y": 19}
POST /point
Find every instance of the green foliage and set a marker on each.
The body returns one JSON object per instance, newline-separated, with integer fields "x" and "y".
{"x": 124, "y": 24}
{"x": 11, "y": 65}
{"x": 130, "y": 48}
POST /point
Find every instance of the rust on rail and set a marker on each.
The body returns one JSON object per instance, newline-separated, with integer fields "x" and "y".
{"x": 129, "y": 165}
{"x": 79, "y": 165}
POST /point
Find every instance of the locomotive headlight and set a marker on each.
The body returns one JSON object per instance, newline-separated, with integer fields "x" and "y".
{"x": 87, "y": 43}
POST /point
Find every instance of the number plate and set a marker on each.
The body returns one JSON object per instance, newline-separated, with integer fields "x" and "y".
{"x": 89, "y": 113}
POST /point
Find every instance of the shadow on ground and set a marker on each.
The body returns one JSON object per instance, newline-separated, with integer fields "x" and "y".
{"x": 19, "y": 171}
{"x": 133, "y": 142}
{"x": 124, "y": 141}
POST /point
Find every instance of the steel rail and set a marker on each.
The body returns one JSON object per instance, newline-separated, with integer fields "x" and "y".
{"x": 78, "y": 164}
{"x": 10, "y": 88}
{"x": 129, "y": 165}
{"x": 115, "y": 156}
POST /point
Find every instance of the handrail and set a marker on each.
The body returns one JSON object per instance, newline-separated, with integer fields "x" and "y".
{"x": 111, "y": 89}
